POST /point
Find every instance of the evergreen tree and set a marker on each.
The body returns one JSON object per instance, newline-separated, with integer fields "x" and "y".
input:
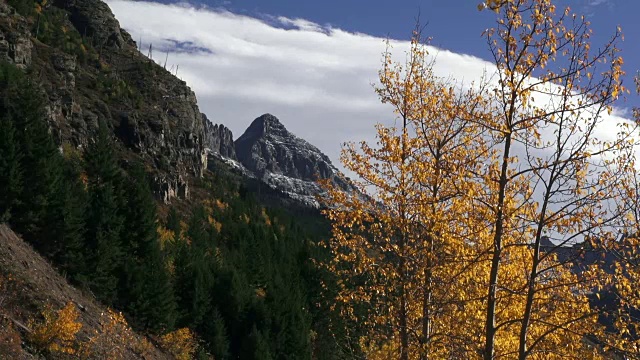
{"x": 105, "y": 221}
{"x": 10, "y": 169}
{"x": 104, "y": 228}
{"x": 193, "y": 287}
{"x": 216, "y": 335}
{"x": 37, "y": 211}
{"x": 194, "y": 265}
{"x": 148, "y": 294}
{"x": 10, "y": 155}
{"x": 173, "y": 222}
{"x": 73, "y": 254}
{"x": 256, "y": 346}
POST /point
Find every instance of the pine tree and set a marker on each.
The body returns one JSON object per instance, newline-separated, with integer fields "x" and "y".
{"x": 193, "y": 286}
{"x": 194, "y": 271}
{"x": 73, "y": 254}
{"x": 38, "y": 209}
{"x": 216, "y": 335}
{"x": 10, "y": 169}
{"x": 147, "y": 287}
{"x": 105, "y": 221}
{"x": 173, "y": 222}
{"x": 256, "y": 346}
{"x": 104, "y": 230}
{"x": 10, "y": 155}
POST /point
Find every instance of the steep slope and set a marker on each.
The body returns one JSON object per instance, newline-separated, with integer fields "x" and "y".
{"x": 34, "y": 284}
{"x": 285, "y": 161}
{"x": 92, "y": 72}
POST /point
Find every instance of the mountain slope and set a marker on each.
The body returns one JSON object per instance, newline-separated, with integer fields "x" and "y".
{"x": 34, "y": 284}
{"x": 233, "y": 261}
{"x": 92, "y": 71}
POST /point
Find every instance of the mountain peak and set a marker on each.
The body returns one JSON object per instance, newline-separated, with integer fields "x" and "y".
{"x": 264, "y": 125}
{"x": 269, "y": 150}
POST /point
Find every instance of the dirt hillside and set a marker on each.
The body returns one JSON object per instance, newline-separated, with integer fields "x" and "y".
{"x": 28, "y": 284}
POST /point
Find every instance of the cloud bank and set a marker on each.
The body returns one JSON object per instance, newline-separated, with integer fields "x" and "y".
{"x": 316, "y": 79}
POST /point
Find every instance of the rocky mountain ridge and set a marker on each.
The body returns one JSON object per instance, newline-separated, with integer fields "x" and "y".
{"x": 285, "y": 161}
{"x": 218, "y": 139}
{"x": 93, "y": 72}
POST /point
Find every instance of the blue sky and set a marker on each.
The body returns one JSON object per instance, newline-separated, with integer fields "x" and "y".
{"x": 312, "y": 63}
{"x": 455, "y": 25}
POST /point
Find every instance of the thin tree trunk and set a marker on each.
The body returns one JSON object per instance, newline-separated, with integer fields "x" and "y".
{"x": 426, "y": 301}
{"x": 38, "y": 26}
{"x": 404, "y": 334}
{"x": 531, "y": 288}
{"x": 522, "y": 349}
{"x": 404, "y": 331}
{"x": 490, "y": 325}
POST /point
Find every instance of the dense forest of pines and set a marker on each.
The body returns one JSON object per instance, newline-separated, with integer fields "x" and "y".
{"x": 241, "y": 275}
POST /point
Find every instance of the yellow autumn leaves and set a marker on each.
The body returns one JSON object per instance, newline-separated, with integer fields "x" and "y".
{"x": 443, "y": 259}
{"x": 56, "y": 335}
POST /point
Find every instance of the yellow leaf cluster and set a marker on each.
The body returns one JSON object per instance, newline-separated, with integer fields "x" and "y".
{"x": 57, "y": 332}
{"x": 180, "y": 343}
{"x": 165, "y": 236}
{"x": 265, "y": 216}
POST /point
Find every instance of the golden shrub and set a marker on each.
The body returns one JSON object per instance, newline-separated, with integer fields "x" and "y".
{"x": 57, "y": 332}
{"x": 180, "y": 343}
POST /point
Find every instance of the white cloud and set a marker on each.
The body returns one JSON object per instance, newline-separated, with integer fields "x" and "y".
{"x": 316, "y": 79}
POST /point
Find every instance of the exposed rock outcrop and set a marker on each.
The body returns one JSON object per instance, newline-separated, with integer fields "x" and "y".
{"x": 100, "y": 76}
{"x": 166, "y": 188}
{"x": 94, "y": 19}
{"x": 285, "y": 161}
{"x": 15, "y": 37}
{"x": 218, "y": 139}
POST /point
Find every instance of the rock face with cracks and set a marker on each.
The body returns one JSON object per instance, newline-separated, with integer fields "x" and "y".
{"x": 218, "y": 139}
{"x": 285, "y": 161}
{"x": 96, "y": 74}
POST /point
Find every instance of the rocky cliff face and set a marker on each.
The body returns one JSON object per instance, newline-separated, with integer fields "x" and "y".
{"x": 91, "y": 71}
{"x": 218, "y": 139}
{"x": 285, "y": 161}
{"x": 15, "y": 37}
{"x": 94, "y": 19}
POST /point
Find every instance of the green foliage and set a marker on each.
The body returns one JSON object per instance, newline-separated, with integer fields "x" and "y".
{"x": 238, "y": 273}
{"x": 105, "y": 221}
{"x": 116, "y": 89}
{"x": 72, "y": 254}
{"x": 33, "y": 159}
{"x": 218, "y": 340}
{"x": 24, "y": 7}
{"x": 146, "y": 288}
{"x": 246, "y": 269}
{"x": 10, "y": 170}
